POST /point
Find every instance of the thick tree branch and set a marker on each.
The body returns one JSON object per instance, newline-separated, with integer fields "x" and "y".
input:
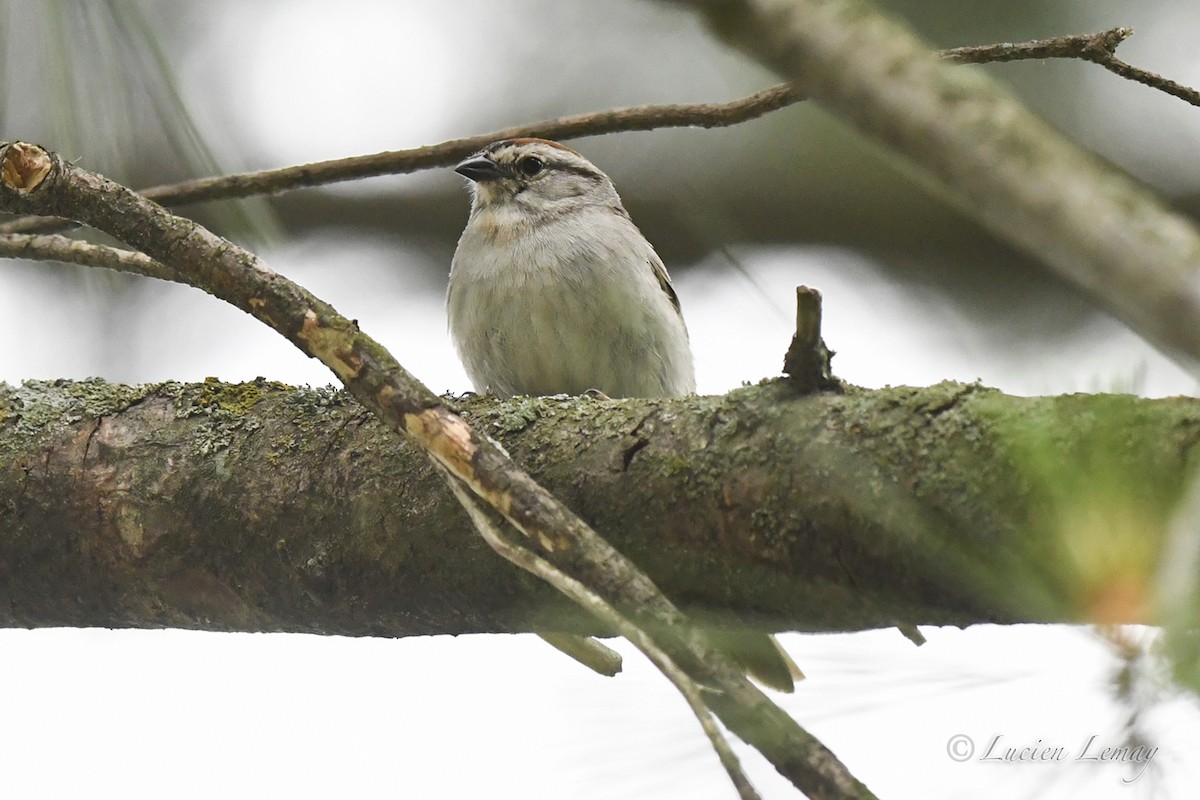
{"x": 1096, "y": 47}
{"x": 1088, "y": 221}
{"x": 37, "y": 182}
{"x": 261, "y": 507}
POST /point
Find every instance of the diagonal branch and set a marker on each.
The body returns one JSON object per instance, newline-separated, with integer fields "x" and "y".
{"x": 1089, "y": 222}
{"x": 585, "y": 597}
{"x": 1105, "y": 57}
{"x": 1099, "y": 48}
{"x": 37, "y": 182}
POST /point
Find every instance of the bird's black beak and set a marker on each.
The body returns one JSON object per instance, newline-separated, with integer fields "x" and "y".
{"x": 478, "y": 168}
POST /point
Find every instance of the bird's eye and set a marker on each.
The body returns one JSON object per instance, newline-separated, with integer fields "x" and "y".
{"x": 530, "y": 166}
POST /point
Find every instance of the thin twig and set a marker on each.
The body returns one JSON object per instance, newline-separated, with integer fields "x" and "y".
{"x": 396, "y": 162}
{"x": 445, "y": 154}
{"x": 1106, "y": 59}
{"x": 589, "y": 600}
{"x": 52, "y": 247}
{"x": 1095, "y": 47}
{"x": 1098, "y": 48}
{"x": 1077, "y": 46}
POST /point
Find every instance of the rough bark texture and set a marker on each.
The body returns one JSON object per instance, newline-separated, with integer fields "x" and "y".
{"x": 263, "y": 507}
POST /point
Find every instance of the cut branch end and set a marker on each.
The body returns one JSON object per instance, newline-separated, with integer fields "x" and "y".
{"x": 24, "y": 166}
{"x": 807, "y": 361}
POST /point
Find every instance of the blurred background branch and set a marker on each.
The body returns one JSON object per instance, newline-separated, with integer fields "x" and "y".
{"x": 1097, "y": 47}
{"x": 1090, "y": 223}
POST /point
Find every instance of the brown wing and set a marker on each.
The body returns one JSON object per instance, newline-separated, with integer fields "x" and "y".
{"x": 664, "y": 280}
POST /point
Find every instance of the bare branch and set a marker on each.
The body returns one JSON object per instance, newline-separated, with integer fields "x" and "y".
{"x": 1105, "y": 58}
{"x": 1099, "y": 48}
{"x": 445, "y": 154}
{"x": 1078, "y": 46}
{"x": 396, "y": 162}
{"x": 588, "y": 599}
{"x": 1089, "y": 222}
{"x": 51, "y": 247}
{"x": 1095, "y": 47}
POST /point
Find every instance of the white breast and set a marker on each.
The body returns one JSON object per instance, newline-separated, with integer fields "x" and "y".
{"x": 574, "y": 306}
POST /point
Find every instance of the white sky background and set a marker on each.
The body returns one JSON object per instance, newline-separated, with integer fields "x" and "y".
{"x": 150, "y": 714}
